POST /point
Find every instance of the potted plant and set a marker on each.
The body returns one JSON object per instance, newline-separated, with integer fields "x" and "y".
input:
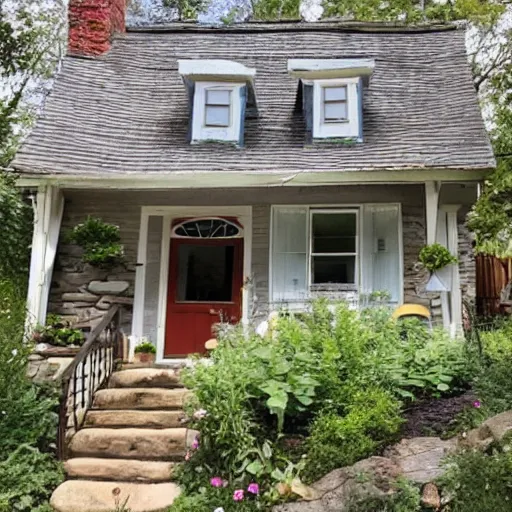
{"x": 145, "y": 352}
{"x": 435, "y": 257}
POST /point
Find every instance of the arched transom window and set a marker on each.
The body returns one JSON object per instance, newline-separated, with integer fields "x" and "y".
{"x": 213, "y": 227}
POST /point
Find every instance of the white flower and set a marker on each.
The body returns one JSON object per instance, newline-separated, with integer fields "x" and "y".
{"x": 200, "y": 414}
{"x": 311, "y": 10}
{"x": 14, "y": 352}
{"x": 219, "y": 509}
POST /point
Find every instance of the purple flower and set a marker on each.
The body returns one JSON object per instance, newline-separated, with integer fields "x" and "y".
{"x": 477, "y": 404}
{"x": 216, "y": 481}
{"x": 253, "y": 488}
{"x": 238, "y": 495}
{"x": 195, "y": 444}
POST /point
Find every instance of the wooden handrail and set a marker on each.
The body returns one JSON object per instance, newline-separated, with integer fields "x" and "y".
{"x": 90, "y": 369}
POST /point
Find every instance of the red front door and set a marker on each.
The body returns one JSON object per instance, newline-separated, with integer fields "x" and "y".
{"x": 205, "y": 288}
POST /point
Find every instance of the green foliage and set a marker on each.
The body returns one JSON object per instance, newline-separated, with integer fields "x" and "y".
{"x": 15, "y": 230}
{"x": 435, "y": 257}
{"x": 371, "y": 420}
{"x": 186, "y": 9}
{"x": 28, "y": 417}
{"x": 58, "y": 333}
{"x": 478, "y": 481}
{"x": 100, "y": 242}
{"x": 275, "y": 9}
{"x": 405, "y": 498}
{"x": 27, "y": 479}
{"x": 145, "y": 348}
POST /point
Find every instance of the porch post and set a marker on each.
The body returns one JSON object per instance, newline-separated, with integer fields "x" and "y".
{"x": 453, "y": 246}
{"x": 432, "y": 189}
{"x": 48, "y": 211}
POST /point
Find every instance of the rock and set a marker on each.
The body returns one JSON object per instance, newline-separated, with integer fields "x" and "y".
{"x": 140, "y": 398}
{"x": 370, "y": 477}
{"x": 79, "y": 297}
{"x": 143, "y": 419}
{"x": 420, "y": 458}
{"x": 492, "y": 430}
{"x": 146, "y": 378}
{"x": 132, "y": 443}
{"x": 91, "y": 496}
{"x": 108, "y": 287}
{"x": 119, "y": 469}
{"x": 430, "y": 497}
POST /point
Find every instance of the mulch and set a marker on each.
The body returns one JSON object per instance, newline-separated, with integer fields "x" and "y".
{"x": 435, "y": 416}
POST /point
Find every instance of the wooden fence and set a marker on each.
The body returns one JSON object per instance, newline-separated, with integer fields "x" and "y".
{"x": 492, "y": 275}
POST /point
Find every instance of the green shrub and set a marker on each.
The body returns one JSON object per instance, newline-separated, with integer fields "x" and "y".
{"x": 58, "y": 333}
{"x": 27, "y": 479}
{"x": 145, "y": 348}
{"x": 477, "y": 482}
{"x": 100, "y": 242}
{"x": 372, "y": 420}
{"x": 435, "y": 257}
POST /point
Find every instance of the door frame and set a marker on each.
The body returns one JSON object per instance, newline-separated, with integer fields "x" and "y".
{"x": 168, "y": 214}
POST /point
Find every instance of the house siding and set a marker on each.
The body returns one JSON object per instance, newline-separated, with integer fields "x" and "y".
{"x": 123, "y": 208}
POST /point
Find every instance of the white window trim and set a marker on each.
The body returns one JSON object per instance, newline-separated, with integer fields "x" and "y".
{"x": 349, "y": 128}
{"x": 202, "y": 132}
{"x": 358, "y": 206}
{"x": 357, "y": 253}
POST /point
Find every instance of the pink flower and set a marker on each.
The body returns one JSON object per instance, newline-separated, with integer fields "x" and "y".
{"x": 477, "y": 404}
{"x": 216, "y": 481}
{"x": 195, "y": 444}
{"x": 188, "y": 456}
{"x": 253, "y": 488}
{"x": 238, "y": 495}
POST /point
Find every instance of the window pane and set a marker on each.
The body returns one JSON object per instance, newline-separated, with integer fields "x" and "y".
{"x": 333, "y": 269}
{"x": 205, "y": 273}
{"x": 335, "y": 111}
{"x": 334, "y": 232}
{"x": 335, "y": 93}
{"x": 214, "y": 97}
{"x": 217, "y": 116}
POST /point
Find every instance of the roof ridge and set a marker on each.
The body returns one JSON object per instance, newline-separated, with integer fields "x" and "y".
{"x": 295, "y": 25}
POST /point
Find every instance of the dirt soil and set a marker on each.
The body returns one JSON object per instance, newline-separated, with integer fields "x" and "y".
{"x": 434, "y": 417}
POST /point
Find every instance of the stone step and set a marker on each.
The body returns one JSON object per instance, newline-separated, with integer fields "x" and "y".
{"x": 140, "y": 398}
{"x": 132, "y": 443}
{"x": 123, "y": 470}
{"x": 93, "y": 496}
{"x": 146, "y": 378}
{"x": 139, "y": 419}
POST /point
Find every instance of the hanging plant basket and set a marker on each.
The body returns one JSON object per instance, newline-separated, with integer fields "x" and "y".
{"x": 435, "y": 257}
{"x": 436, "y": 284}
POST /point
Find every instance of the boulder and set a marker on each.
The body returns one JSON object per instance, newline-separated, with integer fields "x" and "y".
{"x": 143, "y": 419}
{"x": 492, "y": 430}
{"x": 108, "y": 287}
{"x": 430, "y": 497}
{"x": 420, "y": 458}
{"x": 146, "y": 378}
{"x": 140, "y": 398}
{"x": 370, "y": 477}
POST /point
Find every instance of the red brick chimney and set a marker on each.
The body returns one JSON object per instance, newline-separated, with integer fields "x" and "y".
{"x": 92, "y": 24}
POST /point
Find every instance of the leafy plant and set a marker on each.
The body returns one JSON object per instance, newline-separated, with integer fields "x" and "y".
{"x": 435, "y": 257}
{"x": 145, "y": 348}
{"x": 58, "y": 333}
{"x": 100, "y": 242}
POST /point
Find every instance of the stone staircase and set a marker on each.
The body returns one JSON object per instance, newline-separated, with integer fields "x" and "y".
{"x": 131, "y": 441}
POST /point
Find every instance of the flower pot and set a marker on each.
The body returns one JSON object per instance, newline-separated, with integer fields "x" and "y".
{"x": 144, "y": 357}
{"x": 436, "y": 284}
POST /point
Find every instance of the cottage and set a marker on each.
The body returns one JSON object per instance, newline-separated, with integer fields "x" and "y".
{"x": 253, "y": 167}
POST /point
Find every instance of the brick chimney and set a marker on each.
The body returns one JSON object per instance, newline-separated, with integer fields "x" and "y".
{"x": 92, "y": 24}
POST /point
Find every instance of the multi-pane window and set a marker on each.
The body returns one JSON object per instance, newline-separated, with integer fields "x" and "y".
{"x": 334, "y": 104}
{"x": 334, "y": 248}
{"x": 217, "y": 107}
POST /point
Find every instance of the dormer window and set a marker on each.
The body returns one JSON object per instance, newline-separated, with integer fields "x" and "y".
{"x": 335, "y": 104}
{"x": 217, "y": 107}
{"x": 221, "y": 94}
{"x": 332, "y": 96}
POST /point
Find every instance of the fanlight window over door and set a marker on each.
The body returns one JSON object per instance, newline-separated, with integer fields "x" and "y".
{"x": 207, "y": 228}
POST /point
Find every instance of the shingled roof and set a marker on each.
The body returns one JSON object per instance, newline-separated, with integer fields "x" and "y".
{"x": 127, "y": 112}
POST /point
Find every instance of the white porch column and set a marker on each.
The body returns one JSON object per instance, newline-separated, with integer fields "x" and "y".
{"x": 453, "y": 246}
{"x": 48, "y": 211}
{"x": 432, "y": 189}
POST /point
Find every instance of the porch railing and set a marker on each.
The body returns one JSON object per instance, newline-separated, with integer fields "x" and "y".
{"x": 90, "y": 370}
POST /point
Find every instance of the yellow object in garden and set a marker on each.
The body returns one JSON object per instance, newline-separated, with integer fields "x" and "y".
{"x": 411, "y": 310}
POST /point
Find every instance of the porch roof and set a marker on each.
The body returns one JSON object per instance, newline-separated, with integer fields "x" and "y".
{"x": 127, "y": 112}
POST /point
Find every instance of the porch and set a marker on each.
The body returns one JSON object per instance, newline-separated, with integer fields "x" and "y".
{"x": 273, "y": 258}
